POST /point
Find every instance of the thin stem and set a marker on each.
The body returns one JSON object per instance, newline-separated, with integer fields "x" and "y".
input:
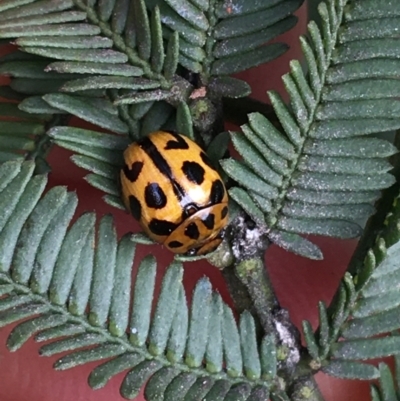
{"x": 273, "y": 319}
{"x": 253, "y": 275}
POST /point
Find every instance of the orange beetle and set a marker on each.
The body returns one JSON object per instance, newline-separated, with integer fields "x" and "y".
{"x": 171, "y": 188}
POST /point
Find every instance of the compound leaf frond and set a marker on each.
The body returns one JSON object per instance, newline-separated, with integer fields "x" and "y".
{"x": 316, "y": 171}
{"x": 71, "y": 284}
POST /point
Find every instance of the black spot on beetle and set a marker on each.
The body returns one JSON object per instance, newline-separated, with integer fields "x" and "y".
{"x": 132, "y": 173}
{"x": 224, "y": 212}
{"x": 178, "y": 143}
{"x": 154, "y": 196}
{"x": 209, "y": 221}
{"x": 135, "y": 207}
{"x": 178, "y": 190}
{"x": 192, "y": 231}
{"x": 161, "y": 227}
{"x": 175, "y": 244}
{"x": 217, "y": 192}
{"x": 156, "y": 157}
{"x": 206, "y": 160}
{"x": 193, "y": 172}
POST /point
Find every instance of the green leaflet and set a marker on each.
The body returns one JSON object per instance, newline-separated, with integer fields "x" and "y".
{"x": 22, "y": 8}
{"x": 50, "y": 244}
{"x": 237, "y": 63}
{"x": 351, "y": 370}
{"x": 34, "y": 230}
{"x": 80, "y": 108}
{"x": 103, "y": 274}
{"x": 159, "y": 382}
{"x": 179, "y": 329}
{"x": 198, "y": 332}
{"x": 166, "y": 306}
{"x": 52, "y": 18}
{"x": 214, "y": 356}
{"x": 247, "y": 23}
{"x": 78, "y": 67}
{"x": 251, "y": 359}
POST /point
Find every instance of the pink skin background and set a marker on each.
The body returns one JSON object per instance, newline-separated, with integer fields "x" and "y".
{"x": 299, "y": 283}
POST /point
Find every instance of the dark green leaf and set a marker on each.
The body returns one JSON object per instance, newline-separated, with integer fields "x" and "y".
{"x": 67, "y": 329}
{"x": 351, "y": 370}
{"x": 24, "y": 8}
{"x": 332, "y": 228}
{"x": 171, "y": 56}
{"x": 33, "y": 231}
{"x": 179, "y": 330}
{"x": 157, "y": 45}
{"x": 10, "y": 232}
{"x": 89, "y": 355}
{"x": 72, "y": 343}
{"x": 311, "y": 342}
{"x": 81, "y": 55}
{"x": 243, "y": 61}
{"x": 80, "y": 290}
{"x": 367, "y": 349}
{"x": 135, "y": 379}
{"x": 238, "y": 392}
{"x": 251, "y": 359}
{"x": 83, "y": 41}
{"x": 67, "y": 261}
{"x": 219, "y": 390}
{"x": 247, "y": 23}
{"x": 190, "y": 13}
{"x": 231, "y": 342}
{"x": 142, "y": 27}
{"x": 199, "y": 389}
{"x": 243, "y": 199}
{"x": 107, "y": 82}
{"x": 184, "y": 123}
{"x": 27, "y": 329}
{"x": 214, "y": 352}
{"x": 142, "y": 300}
{"x": 121, "y": 294}
{"x": 296, "y": 244}
{"x": 50, "y": 244}
{"x": 386, "y": 382}
{"x": 22, "y": 312}
{"x": 79, "y": 67}
{"x": 199, "y": 323}
{"x": 81, "y": 109}
{"x": 166, "y": 306}
{"x": 156, "y": 386}
{"x": 244, "y": 176}
{"x": 179, "y": 386}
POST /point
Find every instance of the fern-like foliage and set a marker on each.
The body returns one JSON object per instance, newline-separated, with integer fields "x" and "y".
{"x": 225, "y": 37}
{"x": 99, "y": 153}
{"x": 81, "y": 301}
{"x": 132, "y": 54}
{"x": 366, "y": 307}
{"x": 388, "y": 388}
{"x": 323, "y": 174}
{"x": 22, "y": 135}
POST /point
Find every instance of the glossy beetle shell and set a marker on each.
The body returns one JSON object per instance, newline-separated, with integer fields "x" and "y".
{"x": 172, "y": 189}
